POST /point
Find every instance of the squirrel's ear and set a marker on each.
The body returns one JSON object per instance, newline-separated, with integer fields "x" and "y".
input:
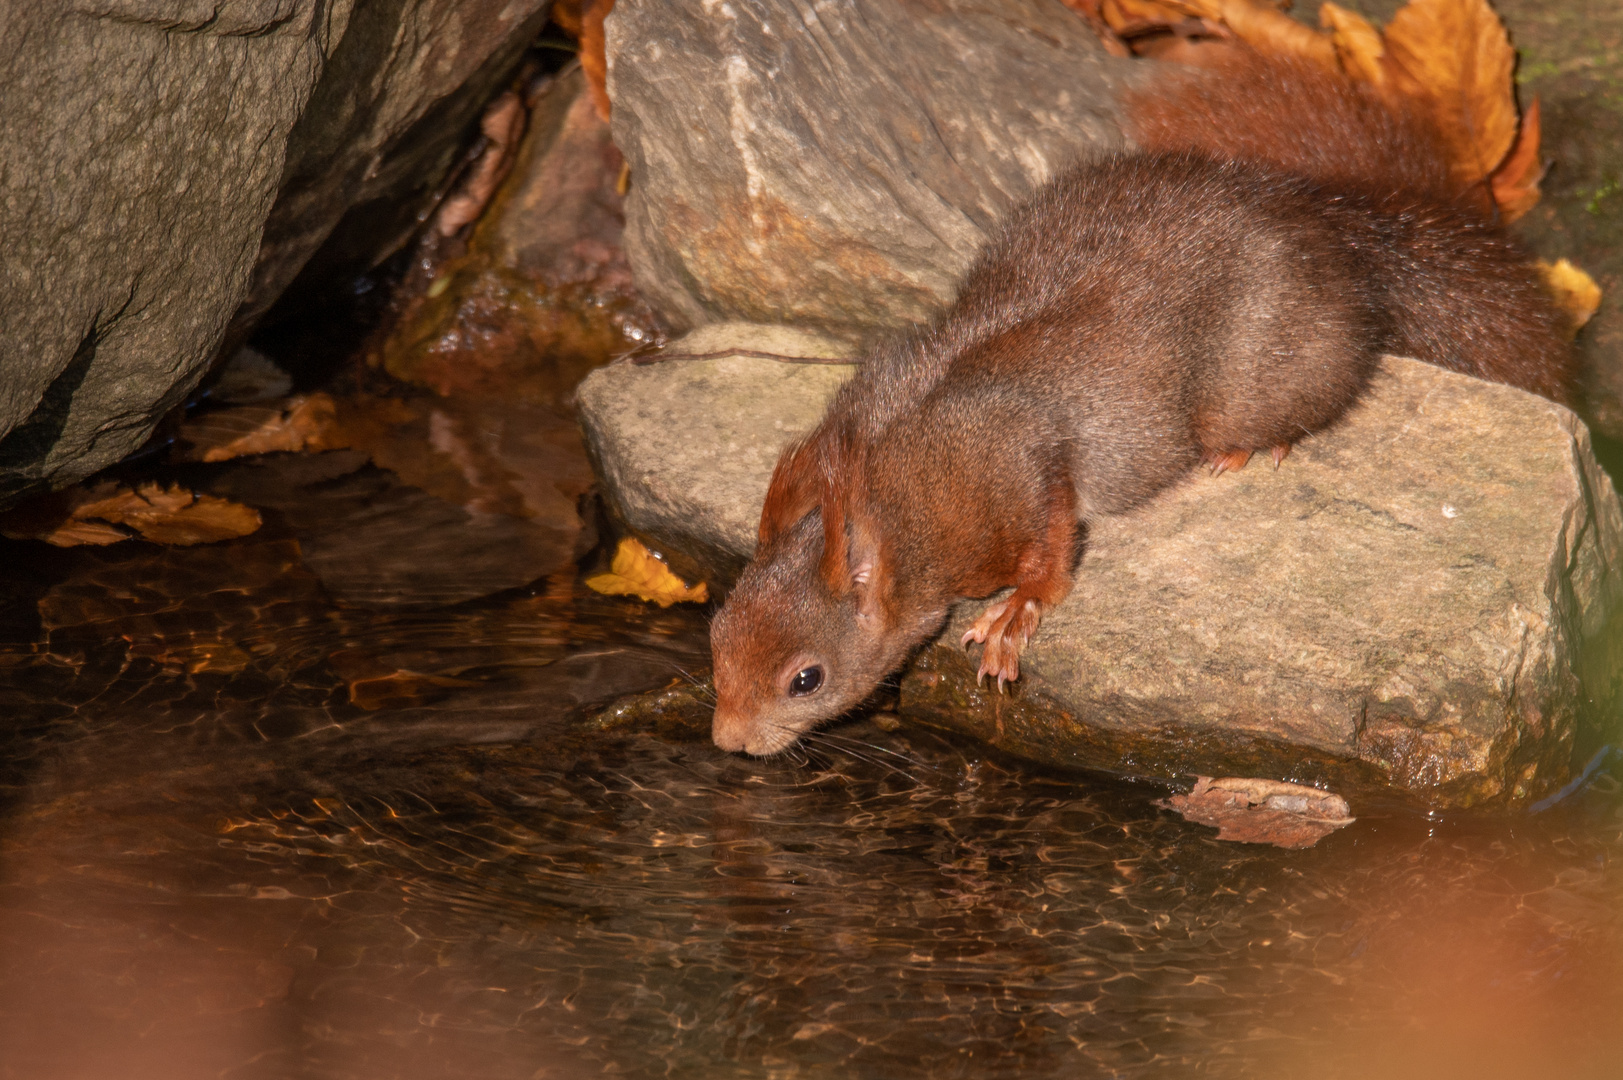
{"x": 854, "y": 558}
{"x": 870, "y": 572}
{"x": 796, "y": 489}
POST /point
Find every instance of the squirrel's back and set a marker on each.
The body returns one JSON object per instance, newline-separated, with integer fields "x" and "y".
{"x": 1460, "y": 292}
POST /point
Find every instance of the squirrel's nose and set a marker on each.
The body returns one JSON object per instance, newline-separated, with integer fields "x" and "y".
{"x": 729, "y": 729}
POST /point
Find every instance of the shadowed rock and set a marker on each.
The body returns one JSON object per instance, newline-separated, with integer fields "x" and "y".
{"x": 166, "y": 166}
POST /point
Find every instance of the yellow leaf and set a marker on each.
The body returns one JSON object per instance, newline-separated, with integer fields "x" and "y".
{"x": 638, "y": 572}
{"x": 1266, "y": 28}
{"x": 1358, "y": 44}
{"x": 1575, "y": 292}
{"x": 1459, "y": 54}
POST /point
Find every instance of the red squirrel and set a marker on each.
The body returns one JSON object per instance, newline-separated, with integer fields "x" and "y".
{"x": 1228, "y": 288}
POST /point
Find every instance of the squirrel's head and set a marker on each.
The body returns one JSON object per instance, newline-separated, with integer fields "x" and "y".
{"x": 793, "y": 648}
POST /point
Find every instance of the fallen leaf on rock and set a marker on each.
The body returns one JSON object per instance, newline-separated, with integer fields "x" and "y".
{"x": 1459, "y": 53}
{"x": 299, "y": 423}
{"x": 1359, "y": 48}
{"x": 636, "y": 571}
{"x": 1267, "y": 28}
{"x": 162, "y": 515}
{"x": 1575, "y": 292}
{"x": 1450, "y": 59}
{"x": 1256, "y": 811}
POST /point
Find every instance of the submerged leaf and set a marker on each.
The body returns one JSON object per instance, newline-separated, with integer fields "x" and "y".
{"x": 299, "y": 423}
{"x": 162, "y": 515}
{"x": 1251, "y": 810}
{"x": 638, "y": 572}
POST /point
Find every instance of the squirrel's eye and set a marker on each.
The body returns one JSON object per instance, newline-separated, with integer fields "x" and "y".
{"x": 806, "y": 681}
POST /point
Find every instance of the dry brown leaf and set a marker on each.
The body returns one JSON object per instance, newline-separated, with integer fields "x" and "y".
{"x": 300, "y": 423}
{"x": 1358, "y": 44}
{"x": 1515, "y": 183}
{"x": 636, "y": 571}
{"x": 1459, "y": 53}
{"x": 1089, "y": 10}
{"x": 174, "y": 515}
{"x": 162, "y": 515}
{"x": 1129, "y": 15}
{"x": 1268, "y": 29}
{"x": 1575, "y": 292}
{"x": 503, "y": 127}
{"x": 1251, "y": 810}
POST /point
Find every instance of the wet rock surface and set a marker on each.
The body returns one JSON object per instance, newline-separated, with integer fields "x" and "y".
{"x": 837, "y": 166}
{"x": 211, "y": 151}
{"x": 1410, "y": 591}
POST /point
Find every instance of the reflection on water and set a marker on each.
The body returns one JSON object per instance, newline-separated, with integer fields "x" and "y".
{"x": 252, "y": 832}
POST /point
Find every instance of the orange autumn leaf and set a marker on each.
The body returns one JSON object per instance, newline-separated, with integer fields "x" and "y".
{"x": 108, "y": 512}
{"x": 1459, "y": 54}
{"x": 584, "y": 19}
{"x": 1268, "y": 29}
{"x": 638, "y": 572}
{"x": 1515, "y": 183}
{"x": 299, "y": 423}
{"x": 1359, "y": 48}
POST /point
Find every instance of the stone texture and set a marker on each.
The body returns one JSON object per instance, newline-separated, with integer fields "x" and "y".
{"x": 391, "y": 116}
{"x": 686, "y": 447}
{"x": 838, "y": 165}
{"x": 1404, "y": 601}
{"x": 144, "y": 148}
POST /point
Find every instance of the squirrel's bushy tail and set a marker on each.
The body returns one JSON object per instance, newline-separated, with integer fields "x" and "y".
{"x": 1460, "y": 292}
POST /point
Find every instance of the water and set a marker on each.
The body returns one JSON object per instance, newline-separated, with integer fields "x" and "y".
{"x": 250, "y": 831}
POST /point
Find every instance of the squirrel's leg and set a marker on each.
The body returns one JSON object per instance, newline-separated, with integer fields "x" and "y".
{"x": 1043, "y": 578}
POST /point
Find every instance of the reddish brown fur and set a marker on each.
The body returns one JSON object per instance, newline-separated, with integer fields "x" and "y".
{"x": 1140, "y": 315}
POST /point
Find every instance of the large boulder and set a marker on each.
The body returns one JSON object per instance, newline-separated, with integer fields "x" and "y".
{"x": 145, "y": 146}
{"x": 1404, "y": 601}
{"x": 837, "y": 166}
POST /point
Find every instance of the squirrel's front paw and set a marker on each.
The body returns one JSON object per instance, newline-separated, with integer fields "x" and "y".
{"x": 1005, "y": 627}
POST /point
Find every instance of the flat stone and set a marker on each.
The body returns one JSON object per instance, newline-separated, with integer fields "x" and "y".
{"x": 839, "y": 165}
{"x": 1404, "y": 601}
{"x": 686, "y": 446}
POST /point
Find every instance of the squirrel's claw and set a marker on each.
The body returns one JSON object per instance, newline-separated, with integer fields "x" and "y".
{"x": 1232, "y": 460}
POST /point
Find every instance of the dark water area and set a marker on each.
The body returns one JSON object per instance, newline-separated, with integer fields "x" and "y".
{"x": 249, "y": 830}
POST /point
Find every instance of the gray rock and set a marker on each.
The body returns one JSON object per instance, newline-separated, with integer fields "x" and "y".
{"x": 838, "y": 165}
{"x": 686, "y": 445}
{"x": 1404, "y": 601}
{"x": 143, "y": 148}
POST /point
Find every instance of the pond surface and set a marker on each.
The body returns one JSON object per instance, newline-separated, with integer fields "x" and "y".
{"x": 250, "y": 830}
